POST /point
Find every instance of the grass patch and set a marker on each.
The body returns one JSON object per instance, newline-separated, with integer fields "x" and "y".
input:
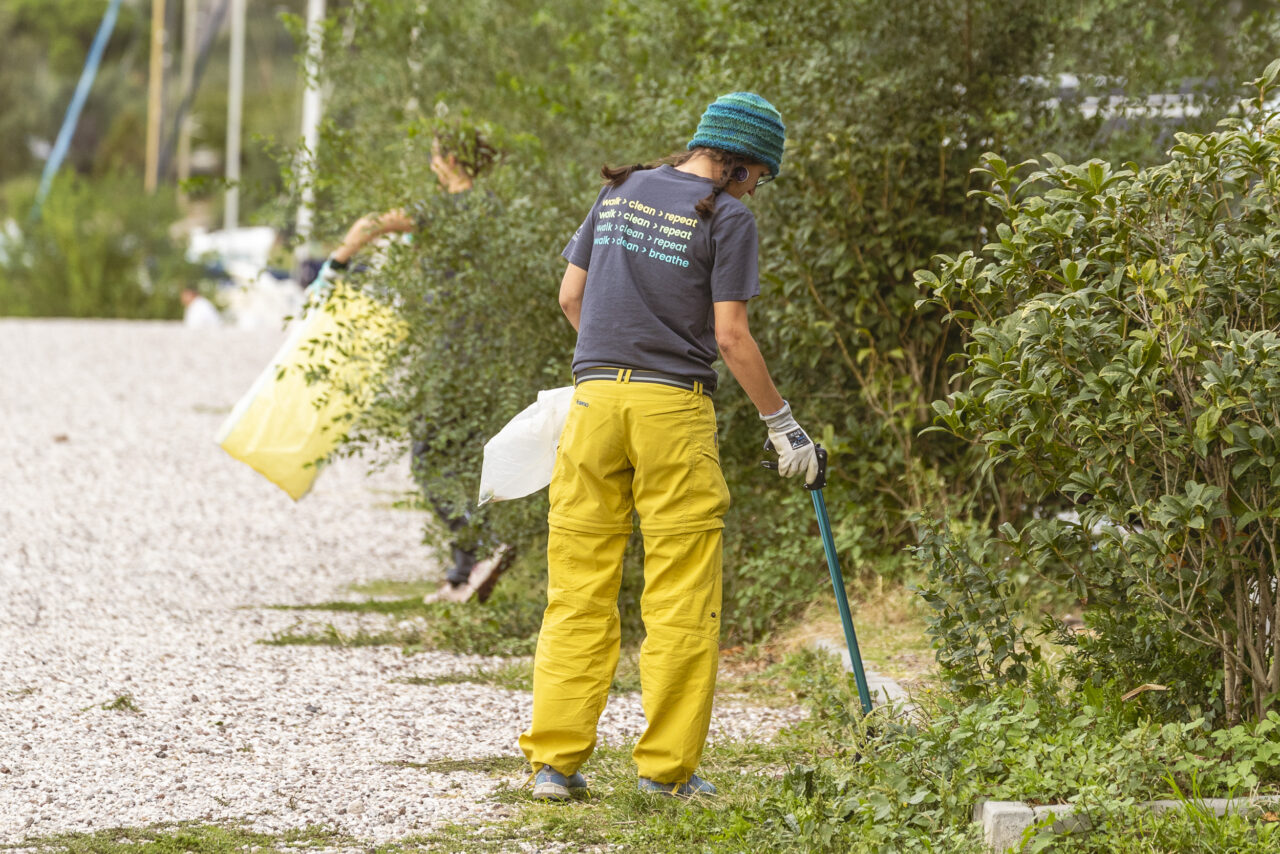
{"x": 122, "y": 703}
{"x": 387, "y": 589}
{"x": 513, "y": 676}
{"x": 181, "y": 838}
{"x": 890, "y": 623}
{"x": 498, "y": 838}
{"x": 494, "y": 766}
{"x": 330, "y": 635}
{"x": 616, "y": 817}
{"x": 505, "y": 625}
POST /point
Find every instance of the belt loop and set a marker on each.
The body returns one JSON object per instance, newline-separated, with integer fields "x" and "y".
{"x": 697, "y": 387}
{"x": 621, "y": 371}
{"x": 627, "y": 376}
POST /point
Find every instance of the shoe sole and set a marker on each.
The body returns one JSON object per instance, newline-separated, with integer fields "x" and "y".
{"x": 484, "y": 589}
{"x": 550, "y": 792}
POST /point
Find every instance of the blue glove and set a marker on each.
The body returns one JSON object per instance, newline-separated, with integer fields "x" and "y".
{"x": 328, "y": 274}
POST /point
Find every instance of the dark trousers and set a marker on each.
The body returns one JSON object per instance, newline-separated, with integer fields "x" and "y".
{"x": 455, "y": 520}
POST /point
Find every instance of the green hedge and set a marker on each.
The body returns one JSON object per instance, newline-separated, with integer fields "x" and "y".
{"x": 1124, "y": 353}
{"x": 100, "y": 248}
{"x": 888, "y": 108}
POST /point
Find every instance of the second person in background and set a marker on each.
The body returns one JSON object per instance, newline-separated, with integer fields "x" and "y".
{"x": 456, "y": 162}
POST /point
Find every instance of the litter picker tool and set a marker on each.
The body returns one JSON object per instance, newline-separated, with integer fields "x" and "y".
{"x": 833, "y": 564}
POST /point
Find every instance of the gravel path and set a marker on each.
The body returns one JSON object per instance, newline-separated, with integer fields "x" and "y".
{"x": 130, "y": 546}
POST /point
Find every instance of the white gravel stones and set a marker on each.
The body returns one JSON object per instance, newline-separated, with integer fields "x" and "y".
{"x": 132, "y": 554}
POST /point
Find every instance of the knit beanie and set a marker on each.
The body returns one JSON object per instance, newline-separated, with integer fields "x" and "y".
{"x": 743, "y": 123}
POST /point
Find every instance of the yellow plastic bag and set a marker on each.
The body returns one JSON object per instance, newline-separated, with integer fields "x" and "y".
{"x": 284, "y": 427}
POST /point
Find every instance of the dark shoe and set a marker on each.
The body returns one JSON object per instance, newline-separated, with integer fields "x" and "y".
{"x": 550, "y": 785}
{"x": 695, "y": 785}
{"x": 485, "y": 575}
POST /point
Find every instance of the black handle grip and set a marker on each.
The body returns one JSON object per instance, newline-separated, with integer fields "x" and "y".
{"x": 818, "y": 482}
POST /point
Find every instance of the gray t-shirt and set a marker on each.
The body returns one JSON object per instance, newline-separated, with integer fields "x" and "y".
{"x": 654, "y": 269}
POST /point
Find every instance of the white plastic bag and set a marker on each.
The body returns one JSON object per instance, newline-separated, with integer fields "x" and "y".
{"x": 518, "y": 461}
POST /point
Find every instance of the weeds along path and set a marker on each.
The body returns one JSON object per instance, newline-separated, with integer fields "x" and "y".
{"x": 134, "y": 558}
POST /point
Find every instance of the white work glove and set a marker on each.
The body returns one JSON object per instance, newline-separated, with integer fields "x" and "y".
{"x": 795, "y": 449}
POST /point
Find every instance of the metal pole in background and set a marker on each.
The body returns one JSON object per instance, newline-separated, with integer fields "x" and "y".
{"x": 235, "y": 108}
{"x": 208, "y": 26}
{"x": 311, "y": 106}
{"x": 155, "y": 96}
{"x": 189, "y": 14}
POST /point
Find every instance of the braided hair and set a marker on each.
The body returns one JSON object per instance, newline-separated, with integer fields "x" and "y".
{"x": 727, "y": 160}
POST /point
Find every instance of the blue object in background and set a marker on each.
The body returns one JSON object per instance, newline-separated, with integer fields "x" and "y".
{"x": 72, "y": 117}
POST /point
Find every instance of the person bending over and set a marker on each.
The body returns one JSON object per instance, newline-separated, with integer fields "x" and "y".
{"x": 456, "y": 167}
{"x": 658, "y": 281}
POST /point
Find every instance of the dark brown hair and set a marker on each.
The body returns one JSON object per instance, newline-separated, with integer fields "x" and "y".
{"x": 728, "y": 160}
{"x": 473, "y": 152}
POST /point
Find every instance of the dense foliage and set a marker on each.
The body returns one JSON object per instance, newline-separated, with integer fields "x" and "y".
{"x": 99, "y": 249}
{"x": 841, "y": 782}
{"x": 888, "y": 109}
{"x": 1124, "y": 352}
{"x": 874, "y": 784}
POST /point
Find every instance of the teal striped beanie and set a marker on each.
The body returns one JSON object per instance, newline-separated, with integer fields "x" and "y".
{"x": 743, "y": 123}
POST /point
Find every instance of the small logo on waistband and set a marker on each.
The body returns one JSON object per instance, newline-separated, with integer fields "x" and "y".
{"x": 582, "y": 403}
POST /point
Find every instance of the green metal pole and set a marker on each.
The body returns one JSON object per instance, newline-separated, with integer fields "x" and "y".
{"x": 833, "y": 564}
{"x": 842, "y": 600}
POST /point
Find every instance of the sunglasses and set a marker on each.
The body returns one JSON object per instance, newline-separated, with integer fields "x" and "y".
{"x": 741, "y": 174}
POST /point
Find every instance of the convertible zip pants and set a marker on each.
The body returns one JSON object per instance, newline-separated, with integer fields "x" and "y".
{"x": 652, "y": 449}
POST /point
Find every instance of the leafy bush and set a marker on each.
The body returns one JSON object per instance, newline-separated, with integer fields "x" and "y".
{"x": 888, "y": 106}
{"x": 566, "y": 87}
{"x": 976, "y": 636}
{"x": 1124, "y": 356}
{"x": 99, "y": 249}
{"x": 876, "y": 784}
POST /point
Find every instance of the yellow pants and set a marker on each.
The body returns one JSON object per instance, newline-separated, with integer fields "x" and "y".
{"x": 651, "y": 449}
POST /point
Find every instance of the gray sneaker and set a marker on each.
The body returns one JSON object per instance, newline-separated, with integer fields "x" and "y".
{"x": 695, "y": 785}
{"x": 550, "y": 785}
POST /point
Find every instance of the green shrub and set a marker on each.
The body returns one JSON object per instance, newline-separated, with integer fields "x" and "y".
{"x": 977, "y": 638}
{"x": 862, "y": 200}
{"x": 877, "y": 784}
{"x": 99, "y": 249}
{"x": 888, "y": 107}
{"x": 1124, "y": 357}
